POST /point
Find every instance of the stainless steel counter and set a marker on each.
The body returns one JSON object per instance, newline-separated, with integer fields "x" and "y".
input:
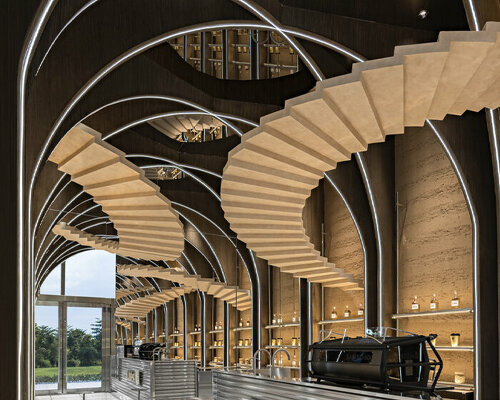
{"x": 166, "y": 379}
{"x": 234, "y": 385}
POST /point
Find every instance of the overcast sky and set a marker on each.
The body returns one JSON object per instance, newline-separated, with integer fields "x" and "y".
{"x": 89, "y": 274}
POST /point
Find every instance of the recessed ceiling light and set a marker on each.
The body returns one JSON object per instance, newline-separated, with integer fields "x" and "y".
{"x": 423, "y": 14}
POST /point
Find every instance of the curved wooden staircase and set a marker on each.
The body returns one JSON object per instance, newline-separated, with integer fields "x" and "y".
{"x": 239, "y": 298}
{"x": 269, "y": 176}
{"x": 147, "y": 225}
{"x": 141, "y": 306}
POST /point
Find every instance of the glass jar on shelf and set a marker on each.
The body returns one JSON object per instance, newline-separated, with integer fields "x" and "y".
{"x": 455, "y": 339}
{"x": 273, "y": 342}
{"x": 240, "y": 324}
{"x": 459, "y": 377}
{"x": 247, "y": 343}
{"x": 455, "y": 301}
{"x": 240, "y": 342}
{"x": 280, "y": 320}
{"x": 273, "y": 321}
{"x": 333, "y": 315}
{"x": 361, "y": 310}
{"x": 248, "y": 323}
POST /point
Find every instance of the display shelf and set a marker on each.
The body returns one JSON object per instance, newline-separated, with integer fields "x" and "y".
{"x": 242, "y": 347}
{"x": 285, "y": 325}
{"x": 176, "y": 347}
{"x": 215, "y": 331}
{"x": 284, "y": 346}
{"x": 242, "y": 328}
{"x": 216, "y": 364}
{"x": 451, "y": 348}
{"x": 176, "y": 334}
{"x": 216, "y": 347}
{"x": 340, "y": 320}
{"x": 456, "y": 385}
{"x": 433, "y": 313}
{"x": 195, "y": 347}
{"x": 195, "y": 333}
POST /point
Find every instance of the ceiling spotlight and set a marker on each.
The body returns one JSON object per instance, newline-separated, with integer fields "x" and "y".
{"x": 423, "y": 14}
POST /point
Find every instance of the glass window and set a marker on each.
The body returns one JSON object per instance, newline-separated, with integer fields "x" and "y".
{"x": 46, "y": 348}
{"x": 91, "y": 274}
{"x": 52, "y": 284}
{"x": 84, "y": 356}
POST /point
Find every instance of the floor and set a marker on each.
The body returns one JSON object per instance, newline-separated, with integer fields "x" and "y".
{"x": 90, "y": 396}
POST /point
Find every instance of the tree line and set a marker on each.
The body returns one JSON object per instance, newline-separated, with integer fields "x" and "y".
{"x": 83, "y": 349}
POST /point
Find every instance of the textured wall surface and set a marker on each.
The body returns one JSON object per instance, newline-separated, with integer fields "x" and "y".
{"x": 342, "y": 247}
{"x": 435, "y": 243}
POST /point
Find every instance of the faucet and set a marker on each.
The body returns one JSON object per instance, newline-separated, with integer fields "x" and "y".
{"x": 276, "y": 352}
{"x": 254, "y": 358}
{"x": 320, "y": 334}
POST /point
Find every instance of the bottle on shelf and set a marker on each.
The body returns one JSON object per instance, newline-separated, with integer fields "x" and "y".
{"x": 294, "y": 317}
{"x": 434, "y": 303}
{"x": 455, "y": 301}
{"x": 240, "y": 324}
{"x": 280, "y": 320}
{"x": 273, "y": 322}
{"x": 248, "y": 323}
{"x": 414, "y": 305}
{"x": 361, "y": 310}
{"x": 347, "y": 312}
{"x": 333, "y": 315}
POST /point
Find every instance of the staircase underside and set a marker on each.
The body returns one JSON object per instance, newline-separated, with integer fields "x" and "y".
{"x": 147, "y": 225}
{"x": 269, "y": 176}
{"x": 239, "y": 298}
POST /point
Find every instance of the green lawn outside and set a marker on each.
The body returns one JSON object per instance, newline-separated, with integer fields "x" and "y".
{"x": 72, "y": 371}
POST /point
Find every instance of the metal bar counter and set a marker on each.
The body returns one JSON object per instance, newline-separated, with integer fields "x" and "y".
{"x": 234, "y": 385}
{"x": 165, "y": 379}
